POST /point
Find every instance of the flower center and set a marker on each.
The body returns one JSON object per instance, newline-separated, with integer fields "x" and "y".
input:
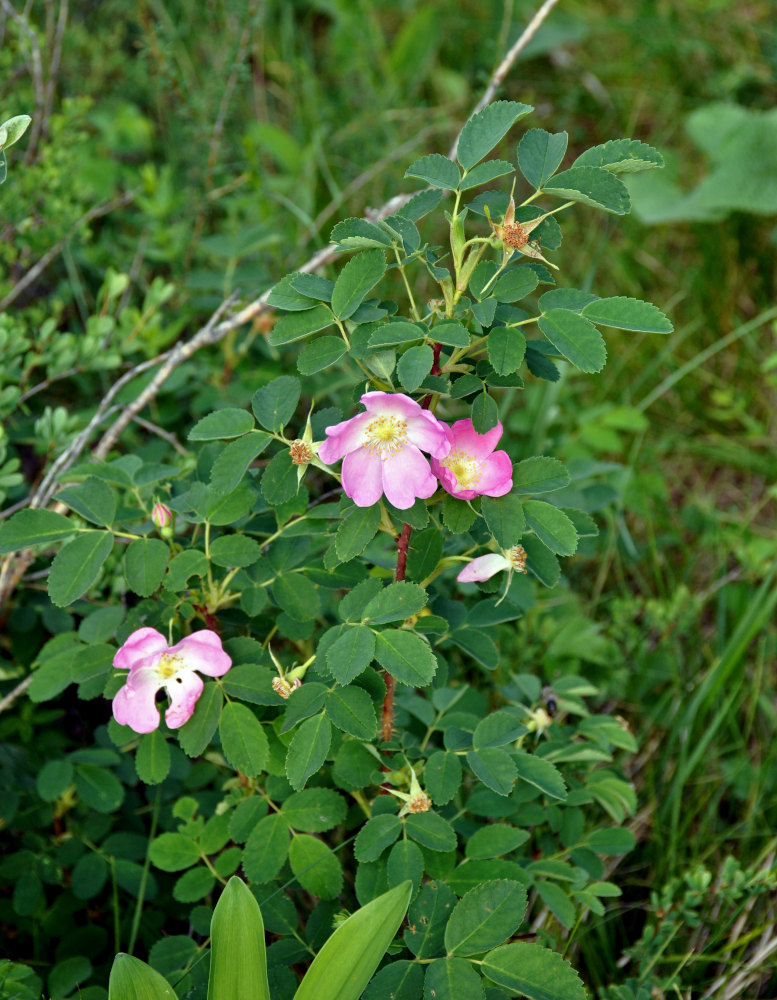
{"x": 517, "y": 556}
{"x": 385, "y": 435}
{"x": 464, "y": 467}
{"x": 419, "y": 803}
{"x": 169, "y": 666}
{"x": 514, "y": 235}
{"x": 300, "y": 452}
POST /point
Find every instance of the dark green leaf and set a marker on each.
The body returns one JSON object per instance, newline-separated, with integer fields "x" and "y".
{"x": 428, "y": 915}
{"x": 400, "y": 980}
{"x": 233, "y": 460}
{"x": 197, "y": 733}
{"x": 485, "y": 172}
{"x": 505, "y": 519}
{"x": 145, "y": 563}
{"x": 494, "y": 841}
{"x": 575, "y": 338}
{"x": 541, "y": 561}
{"x": 314, "y": 810}
{"x": 627, "y": 314}
{"x": 406, "y": 657}
{"x": 414, "y": 365}
{"x": 485, "y": 414}
{"x": 152, "y": 758}
{"x": 452, "y": 979}
{"x": 396, "y": 602}
{"x": 437, "y": 170}
{"x": 285, "y": 296}
{"x": 243, "y": 739}
{"x": 308, "y": 750}
{"x": 514, "y": 284}
{"x": 274, "y": 404}
{"x": 431, "y": 831}
{"x": 485, "y": 916}
{"x": 451, "y": 333}
{"x": 405, "y": 862}
{"x": 356, "y": 279}
{"x": 540, "y": 773}
{"x": 280, "y": 481}
{"x": 99, "y": 788}
{"x": 356, "y": 531}
{"x": 297, "y": 596}
{"x": 77, "y": 565}
{"x": 227, "y": 423}
{"x": 485, "y": 128}
{"x": 321, "y": 354}
{"x": 494, "y": 767}
{"x": 266, "y": 849}
{"x": 458, "y": 516}
{"x": 424, "y": 553}
{"x": 621, "y": 156}
{"x": 506, "y": 349}
{"x": 93, "y": 499}
{"x": 551, "y": 526}
{"x": 533, "y": 972}
{"x": 359, "y": 233}
{"x": 53, "y": 779}
{"x": 352, "y": 711}
{"x": 231, "y": 551}
{"x": 592, "y": 186}
{"x": 376, "y": 835}
{"x": 315, "y": 865}
{"x": 33, "y": 527}
{"x": 557, "y": 901}
{"x": 540, "y": 154}
{"x": 539, "y": 475}
{"x": 497, "y": 729}
{"x": 390, "y": 334}
{"x": 296, "y": 325}
{"x": 442, "y": 776}
{"x": 352, "y": 653}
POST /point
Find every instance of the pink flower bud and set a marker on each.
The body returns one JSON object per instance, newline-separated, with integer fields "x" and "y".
{"x": 161, "y": 516}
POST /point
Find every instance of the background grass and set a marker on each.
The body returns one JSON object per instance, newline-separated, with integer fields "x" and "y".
{"x": 247, "y": 131}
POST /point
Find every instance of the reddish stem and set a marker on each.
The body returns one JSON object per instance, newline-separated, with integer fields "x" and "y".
{"x": 427, "y": 400}
{"x": 387, "y": 714}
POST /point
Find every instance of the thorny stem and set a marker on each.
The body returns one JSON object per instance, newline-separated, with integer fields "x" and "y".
{"x": 387, "y": 714}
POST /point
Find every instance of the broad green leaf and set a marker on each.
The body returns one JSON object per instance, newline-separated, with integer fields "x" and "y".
{"x": 359, "y": 233}
{"x": 539, "y": 475}
{"x": 194, "y": 885}
{"x": 132, "y": 979}
{"x": 53, "y": 675}
{"x": 406, "y": 657}
{"x": 274, "y": 404}
{"x": 451, "y": 333}
{"x": 541, "y": 561}
{"x": 233, "y": 460}
{"x": 457, "y": 515}
{"x": 391, "y": 334}
{"x": 494, "y": 767}
{"x": 485, "y": 128}
{"x": 356, "y": 531}
{"x": 485, "y": 917}
{"x": 472, "y": 874}
{"x": 308, "y": 750}
{"x": 314, "y": 810}
{"x": 77, "y": 565}
{"x": 396, "y": 602}
{"x": 152, "y": 758}
{"x": 296, "y": 325}
{"x": 221, "y": 424}
{"x": 494, "y": 841}
{"x": 285, "y": 296}
{"x": 505, "y": 519}
{"x": 479, "y": 645}
{"x": 190, "y": 562}
{"x": 231, "y": 551}
{"x": 405, "y": 862}
{"x": 243, "y": 739}
{"x": 307, "y": 701}
{"x": 53, "y": 779}
{"x": 347, "y": 961}
{"x": 173, "y": 852}
{"x": 424, "y": 553}
{"x": 93, "y": 499}
{"x": 351, "y": 654}
{"x": 357, "y": 278}
{"x": 238, "y": 959}
{"x": 322, "y": 353}
{"x": 313, "y": 285}
{"x": 565, "y": 298}
{"x": 414, "y": 365}
{"x": 378, "y": 833}
{"x": 13, "y": 129}
{"x": 266, "y": 849}
{"x": 485, "y": 414}
{"x": 497, "y": 729}
{"x": 540, "y": 773}
{"x": 627, "y": 314}
{"x": 33, "y": 527}
{"x": 431, "y": 831}
{"x": 485, "y": 311}
{"x": 197, "y": 733}
{"x": 621, "y": 156}
{"x": 533, "y": 972}
{"x": 350, "y": 709}
{"x": 452, "y": 979}
{"x": 428, "y": 915}
{"x": 584, "y": 524}
{"x": 297, "y": 595}
{"x": 145, "y": 563}
{"x": 227, "y": 508}
{"x": 485, "y": 172}
{"x": 279, "y": 480}
{"x": 612, "y": 840}
{"x": 592, "y": 186}
{"x": 400, "y": 980}
{"x": 540, "y": 154}
{"x": 575, "y": 338}
{"x": 315, "y": 865}
{"x": 437, "y": 170}
{"x": 551, "y": 526}
{"x": 557, "y": 901}
{"x": 442, "y": 776}
{"x": 421, "y": 203}
{"x": 514, "y": 284}
{"x": 506, "y": 349}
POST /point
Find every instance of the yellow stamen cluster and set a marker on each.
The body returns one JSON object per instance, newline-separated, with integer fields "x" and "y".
{"x": 282, "y": 687}
{"x": 419, "y": 803}
{"x": 464, "y": 467}
{"x": 385, "y": 435}
{"x": 517, "y": 557}
{"x": 300, "y": 452}
{"x": 169, "y": 666}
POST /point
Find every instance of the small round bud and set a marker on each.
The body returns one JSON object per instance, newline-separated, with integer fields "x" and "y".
{"x": 162, "y": 516}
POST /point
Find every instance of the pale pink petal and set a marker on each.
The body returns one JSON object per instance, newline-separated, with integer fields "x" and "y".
{"x": 142, "y": 645}
{"x": 133, "y": 705}
{"x": 202, "y": 651}
{"x": 396, "y": 404}
{"x": 466, "y": 438}
{"x": 450, "y": 483}
{"x": 184, "y": 689}
{"x": 428, "y": 433}
{"x": 362, "y": 480}
{"x": 496, "y": 477}
{"x": 483, "y": 568}
{"x": 406, "y": 476}
{"x": 343, "y": 438}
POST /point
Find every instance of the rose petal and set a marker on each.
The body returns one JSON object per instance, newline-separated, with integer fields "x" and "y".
{"x": 406, "y": 476}
{"x": 133, "y": 704}
{"x": 394, "y": 403}
{"x": 483, "y": 568}
{"x": 362, "y": 480}
{"x": 428, "y": 433}
{"x": 467, "y": 439}
{"x": 496, "y": 477}
{"x": 203, "y": 651}
{"x": 343, "y": 438}
{"x": 141, "y": 645}
{"x": 184, "y": 689}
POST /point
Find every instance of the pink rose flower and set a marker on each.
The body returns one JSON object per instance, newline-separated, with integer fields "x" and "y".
{"x": 153, "y": 665}
{"x": 381, "y": 450}
{"x": 472, "y": 468}
{"x": 484, "y": 567}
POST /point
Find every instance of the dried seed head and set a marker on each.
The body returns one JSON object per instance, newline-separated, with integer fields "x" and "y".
{"x": 300, "y": 452}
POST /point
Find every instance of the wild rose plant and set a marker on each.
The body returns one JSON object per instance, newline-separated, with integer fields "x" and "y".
{"x": 363, "y": 687}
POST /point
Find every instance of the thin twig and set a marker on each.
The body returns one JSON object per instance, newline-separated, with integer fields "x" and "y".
{"x": 11, "y": 697}
{"x": 162, "y": 433}
{"x": 52, "y": 252}
{"x": 36, "y": 72}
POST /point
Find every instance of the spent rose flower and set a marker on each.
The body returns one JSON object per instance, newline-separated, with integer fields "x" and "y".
{"x": 381, "y": 450}
{"x": 153, "y": 665}
{"x": 472, "y": 468}
{"x": 416, "y": 800}
{"x": 484, "y": 567}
